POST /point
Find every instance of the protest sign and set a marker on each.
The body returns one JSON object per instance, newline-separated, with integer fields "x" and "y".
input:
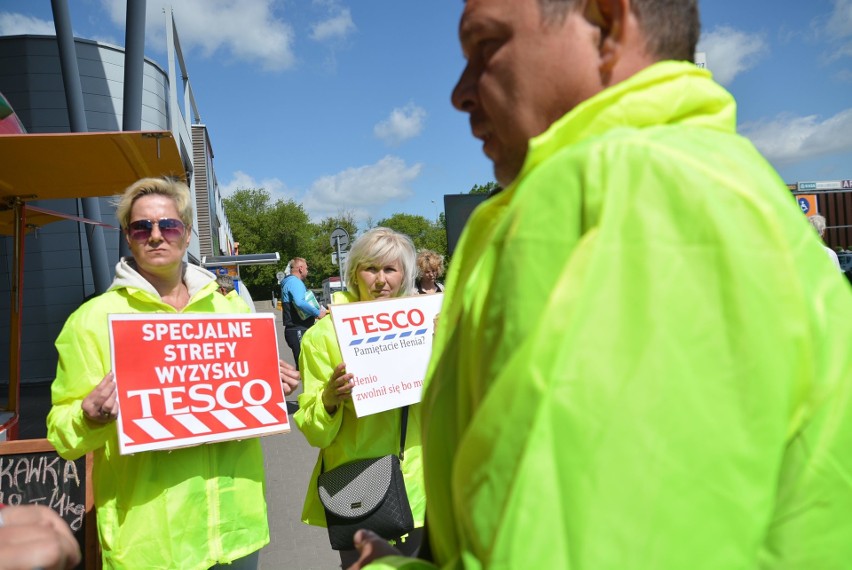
{"x": 188, "y": 379}
{"x": 386, "y": 344}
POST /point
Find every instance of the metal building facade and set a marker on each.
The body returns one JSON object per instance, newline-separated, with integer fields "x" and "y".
{"x": 57, "y": 270}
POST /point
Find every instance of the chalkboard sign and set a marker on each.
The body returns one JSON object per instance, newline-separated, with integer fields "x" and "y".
{"x": 31, "y": 472}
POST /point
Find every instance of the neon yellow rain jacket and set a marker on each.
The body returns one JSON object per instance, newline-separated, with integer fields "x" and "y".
{"x": 343, "y": 437}
{"x": 643, "y": 360}
{"x": 187, "y": 508}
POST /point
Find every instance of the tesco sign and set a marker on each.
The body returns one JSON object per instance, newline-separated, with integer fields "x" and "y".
{"x": 188, "y": 379}
{"x": 383, "y": 322}
{"x": 386, "y": 345}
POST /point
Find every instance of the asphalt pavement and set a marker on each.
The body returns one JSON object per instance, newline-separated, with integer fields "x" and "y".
{"x": 289, "y": 461}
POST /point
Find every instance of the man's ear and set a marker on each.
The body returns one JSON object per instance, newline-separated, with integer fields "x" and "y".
{"x": 609, "y": 17}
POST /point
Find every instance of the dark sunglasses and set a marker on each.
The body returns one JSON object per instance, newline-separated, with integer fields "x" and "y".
{"x": 170, "y": 228}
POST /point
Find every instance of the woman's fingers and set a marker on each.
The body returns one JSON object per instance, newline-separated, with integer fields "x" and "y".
{"x": 339, "y": 387}
{"x": 100, "y": 405}
{"x": 344, "y": 386}
{"x": 289, "y": 377}
{"x": 339, "y": 370}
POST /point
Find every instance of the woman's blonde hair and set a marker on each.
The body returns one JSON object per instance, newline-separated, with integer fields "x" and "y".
{"x": 377, "y": 247}
{"x": 428, "y": 259}
{"x": 818, "y": 222}
{"x": 169, "y": 187}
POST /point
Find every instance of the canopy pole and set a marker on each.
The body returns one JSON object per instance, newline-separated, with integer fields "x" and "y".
{"x": 17, "y": 308}
{"x": 101, "y": 274}
{"x": 134, "y": 74}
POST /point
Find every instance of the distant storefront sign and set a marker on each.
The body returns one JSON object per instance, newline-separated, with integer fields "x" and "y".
{"x": 826, "y": 185}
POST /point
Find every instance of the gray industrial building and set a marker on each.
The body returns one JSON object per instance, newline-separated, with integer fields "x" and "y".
{"x": 58, "y": 272}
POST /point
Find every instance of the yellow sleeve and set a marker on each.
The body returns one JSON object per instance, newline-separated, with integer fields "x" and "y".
{"x": 83, "y": 362}
{"x": 320, "y": 355}
{"x": 400, "y": 563}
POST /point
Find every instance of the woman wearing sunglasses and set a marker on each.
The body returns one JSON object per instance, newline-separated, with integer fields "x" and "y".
{"x": 195, "y": 507}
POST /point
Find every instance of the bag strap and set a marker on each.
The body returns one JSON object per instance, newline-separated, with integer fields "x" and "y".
{"x": 403, "y": 420}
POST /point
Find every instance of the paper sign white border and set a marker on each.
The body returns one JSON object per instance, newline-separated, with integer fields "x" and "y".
{"x": 126, "y": 444}
{"x": 406, "y": 364}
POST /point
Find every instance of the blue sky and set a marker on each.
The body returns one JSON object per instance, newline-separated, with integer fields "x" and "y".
{"x": 344, "y": 106}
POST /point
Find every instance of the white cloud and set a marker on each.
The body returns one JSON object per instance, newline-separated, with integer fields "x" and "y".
{"x": 336, "y": 27}
{"x": 361, "y": 189}
{"x": 787, "y": 139}
{"x": 840, "y": 21}
{"x": 402, "y": 124}
{"x": 276, "y": 188}
{"x": 18, "y": 24}
{"x": 844, "y": 76}
{"x": 358, "y": 191}
{"x": 839, "y": 27}
{"x": 243, "y": 30}
{"x": 731, "y": 52}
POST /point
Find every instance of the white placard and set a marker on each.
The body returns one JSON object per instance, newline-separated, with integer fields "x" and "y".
{"x": 386, "y": 345}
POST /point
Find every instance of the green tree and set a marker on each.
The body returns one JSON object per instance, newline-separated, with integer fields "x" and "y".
{"x": 424, "y": 234}
{"x": 261, "y": 226}
{"x": 242, "y": 209}
{"x": 485, "y": 188}
{"x": 320, "y": 250}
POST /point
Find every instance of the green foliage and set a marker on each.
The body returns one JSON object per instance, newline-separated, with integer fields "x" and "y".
{"x": 318, "y": 253}
{"x": 484, "y": 189}
{"x": 263, "y": 226}
{"x": 424, "y": 234}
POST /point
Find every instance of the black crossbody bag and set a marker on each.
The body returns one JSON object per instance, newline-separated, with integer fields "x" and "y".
{"x": 368, "y": 493}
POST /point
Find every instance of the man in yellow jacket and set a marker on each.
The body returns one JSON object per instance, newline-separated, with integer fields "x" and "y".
{"x": 643, "y": 360}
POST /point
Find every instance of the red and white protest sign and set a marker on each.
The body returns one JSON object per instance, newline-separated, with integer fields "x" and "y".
{"x": 189, "y": 379}
{"x": 386, "y": 345}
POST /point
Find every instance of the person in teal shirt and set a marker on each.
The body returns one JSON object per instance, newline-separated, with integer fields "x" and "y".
{"x": 299, "y": 306}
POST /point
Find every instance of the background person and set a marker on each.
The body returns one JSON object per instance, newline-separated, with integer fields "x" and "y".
{"x": 188, "y": 508}
{"x": 299, "y": 306}
{"x": 34, "y": 536}
{"x": 430, "y": 268}
{"x": 642, "y": 360}
{"x": 818, "y": 223}
{"x": 226, "y": 284}
{"x": 381, "y": 265}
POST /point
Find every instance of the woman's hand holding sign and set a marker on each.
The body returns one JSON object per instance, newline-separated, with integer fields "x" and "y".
{"x": 339, "y": 388}
{"x": 101, "y": 406}
{"x": 289, "y": 377}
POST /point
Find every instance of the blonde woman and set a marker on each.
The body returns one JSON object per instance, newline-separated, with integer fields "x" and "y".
{"x": 381, "y": 265}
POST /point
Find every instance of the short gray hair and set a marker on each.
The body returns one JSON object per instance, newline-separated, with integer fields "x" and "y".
{"x": 226, "y": 282}
{"x": 818, "y": 222}
{"x": 671, "y": 27}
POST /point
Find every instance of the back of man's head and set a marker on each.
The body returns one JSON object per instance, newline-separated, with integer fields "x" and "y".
{"x": 226, "y": 283}
{"x": 298, "y": 267}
